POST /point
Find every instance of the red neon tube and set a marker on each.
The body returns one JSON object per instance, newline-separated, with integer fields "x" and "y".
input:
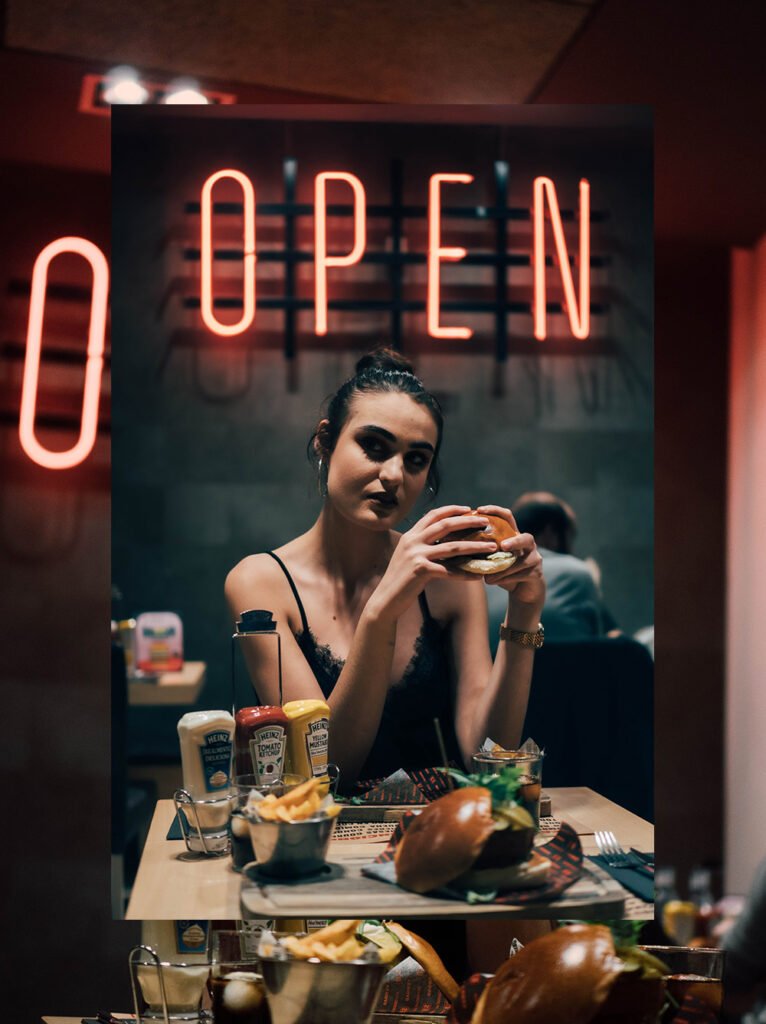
{"x": 579, "y": 319}
{"x": 206, "y": 255}
{"x": 95, "y": 355}
{"x": 321, "y": 260}
{"x": 437, "y": 254}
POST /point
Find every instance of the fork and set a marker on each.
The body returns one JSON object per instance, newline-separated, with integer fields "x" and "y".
{"x": 615, "y": 855}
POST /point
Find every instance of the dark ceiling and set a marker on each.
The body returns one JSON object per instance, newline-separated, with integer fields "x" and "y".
{"x": 699, "y": 68}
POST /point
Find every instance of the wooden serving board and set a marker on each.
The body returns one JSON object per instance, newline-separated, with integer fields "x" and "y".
{"x": 343, "y": 891}
{"x": 393, "y": 812}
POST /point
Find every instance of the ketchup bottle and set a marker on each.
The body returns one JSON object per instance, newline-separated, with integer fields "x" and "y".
{"x": 260, "y": 740}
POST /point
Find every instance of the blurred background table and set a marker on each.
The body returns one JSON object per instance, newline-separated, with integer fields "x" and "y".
{"x": 182, "y": 687}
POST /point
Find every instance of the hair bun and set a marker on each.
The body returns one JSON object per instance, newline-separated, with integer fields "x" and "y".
{"x": 384, "y": 359}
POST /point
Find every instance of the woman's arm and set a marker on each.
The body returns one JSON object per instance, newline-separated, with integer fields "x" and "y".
{"x": 357, "y": 700}
{"x": 246, "y": 587}
{"x": 492, "y": 698}
{"x": 360, "y": 692}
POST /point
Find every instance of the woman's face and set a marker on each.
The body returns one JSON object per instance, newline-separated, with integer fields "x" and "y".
{"x": 380, "y": 463}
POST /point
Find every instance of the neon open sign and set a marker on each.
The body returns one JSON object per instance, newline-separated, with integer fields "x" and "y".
{"x": 544, "y": 198}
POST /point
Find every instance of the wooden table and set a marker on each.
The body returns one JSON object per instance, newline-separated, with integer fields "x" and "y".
{"x": 172, "y": 883}
{"x": 182, "y": 687}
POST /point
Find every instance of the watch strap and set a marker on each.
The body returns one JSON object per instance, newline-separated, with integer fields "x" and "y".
{"x": 523, "y": 638}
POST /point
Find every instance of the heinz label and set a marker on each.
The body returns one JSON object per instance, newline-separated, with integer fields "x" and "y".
{"x": 267, "y": 750}
{"x": 216, "y": 760}
{"x": 317, "y": 745}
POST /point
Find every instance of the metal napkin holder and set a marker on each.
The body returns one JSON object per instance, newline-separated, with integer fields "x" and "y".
{"x": 184, "y": 797}
{"x": 155, "y": 961}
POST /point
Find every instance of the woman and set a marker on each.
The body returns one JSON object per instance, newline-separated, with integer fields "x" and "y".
{"x": 378, "y": 626}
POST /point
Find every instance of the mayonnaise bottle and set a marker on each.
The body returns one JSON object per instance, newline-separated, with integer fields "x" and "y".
{"x": 206, "y": 739}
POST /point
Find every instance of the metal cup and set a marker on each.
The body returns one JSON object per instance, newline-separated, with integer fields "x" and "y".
{"x": 291, "y": 849}
{"x": 310, "y": 992}
{"x": 242, "y": 786}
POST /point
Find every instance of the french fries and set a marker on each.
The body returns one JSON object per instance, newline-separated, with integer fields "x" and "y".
{"x": 333, "y": 944}
{"x": 296, "y": 805}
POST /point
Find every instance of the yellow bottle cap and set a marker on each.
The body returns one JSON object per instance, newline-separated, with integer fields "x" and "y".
{"x": 295, "y": 708}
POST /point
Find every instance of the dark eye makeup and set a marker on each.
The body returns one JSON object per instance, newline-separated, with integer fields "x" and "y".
{"x": 378, "y": 450}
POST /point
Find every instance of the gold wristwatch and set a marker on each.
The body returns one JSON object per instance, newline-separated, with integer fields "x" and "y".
{"x": 521, "y": 637}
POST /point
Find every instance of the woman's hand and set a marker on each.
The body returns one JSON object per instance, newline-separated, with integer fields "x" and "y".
{"x": 524, "y": 579}
{"x": 418, "y": 558}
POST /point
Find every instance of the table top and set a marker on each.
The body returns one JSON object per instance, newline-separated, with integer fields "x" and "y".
{"x": 174, "y": 884}
{"x": 182, "y": 687}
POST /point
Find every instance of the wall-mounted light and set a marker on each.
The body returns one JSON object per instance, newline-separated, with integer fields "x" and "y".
{"x": 122, "y": 85}
{"x": 125, "y": 85}
{"x": 184, "y": 91}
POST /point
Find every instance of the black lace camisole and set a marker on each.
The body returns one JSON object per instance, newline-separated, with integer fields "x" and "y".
{"x": 406, "y": 735}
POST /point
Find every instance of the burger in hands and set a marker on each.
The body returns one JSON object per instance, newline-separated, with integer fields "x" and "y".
{"x": 576, "y": 974}
{"x": 477, "y": 839}
{"x": 496, "y": 530}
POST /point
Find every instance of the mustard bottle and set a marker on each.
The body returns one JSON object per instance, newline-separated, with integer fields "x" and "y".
{"x": 308, "y": 738}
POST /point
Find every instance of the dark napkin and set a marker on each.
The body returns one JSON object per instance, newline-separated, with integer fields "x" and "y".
{"x": 410, "y": 786}
{"x": 468, "y": 995}
{"x": 433, "y": 782}
{"x": 637, "y": 882}
{"x": 408, "y": 989}
{"x": 692, "y": 1010}
{"x": 174, "y": 832}
{"x": 397, "y": 789}
{"x": 563, "y": 851}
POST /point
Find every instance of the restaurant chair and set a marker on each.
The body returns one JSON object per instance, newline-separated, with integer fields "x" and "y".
{"x": 591, "y": 707}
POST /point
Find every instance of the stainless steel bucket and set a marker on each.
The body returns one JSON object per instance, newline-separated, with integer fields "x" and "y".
{"x": 310, "y": 992}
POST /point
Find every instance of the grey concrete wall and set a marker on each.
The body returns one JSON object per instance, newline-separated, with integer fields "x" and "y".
{"x": 201, "y": 479}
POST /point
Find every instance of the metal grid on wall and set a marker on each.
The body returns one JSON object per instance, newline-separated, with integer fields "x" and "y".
{"x": 396, "y": 258}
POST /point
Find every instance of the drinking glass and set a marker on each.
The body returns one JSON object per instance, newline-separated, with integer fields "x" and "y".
{"x": 691, "y": 971}
{"x": 236, "y": 983}
{"x": 531, "y": 765}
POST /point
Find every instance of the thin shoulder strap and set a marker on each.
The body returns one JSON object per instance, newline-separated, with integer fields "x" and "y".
{"x": 426, "y": 611}
{"x": 294, "y": 589}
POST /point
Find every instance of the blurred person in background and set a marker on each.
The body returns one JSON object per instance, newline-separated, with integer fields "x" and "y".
{"x": 744, "y": 942}
{"x": 574, "y": 608}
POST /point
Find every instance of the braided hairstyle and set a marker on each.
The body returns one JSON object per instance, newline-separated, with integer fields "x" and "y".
{"x": 383, "y": 370}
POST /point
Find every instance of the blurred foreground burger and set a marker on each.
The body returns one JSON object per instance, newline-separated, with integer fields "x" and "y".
{"x": 496, "y": 530}
{"x": 575, "y": 975}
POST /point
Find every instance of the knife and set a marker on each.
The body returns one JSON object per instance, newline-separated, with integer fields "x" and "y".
{"x": 645, "y": 858}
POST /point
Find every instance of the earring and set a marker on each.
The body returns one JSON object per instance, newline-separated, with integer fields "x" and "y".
{"x": 321, "y": 484}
